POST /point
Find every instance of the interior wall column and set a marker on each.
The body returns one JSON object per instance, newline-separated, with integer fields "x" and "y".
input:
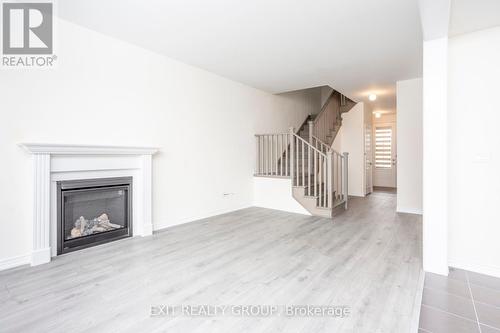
{"x": 435, "y": 159}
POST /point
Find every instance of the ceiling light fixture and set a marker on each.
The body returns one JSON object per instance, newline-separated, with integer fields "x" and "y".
{"x": 377, "y": 115}
{"x": 372, "y": 97}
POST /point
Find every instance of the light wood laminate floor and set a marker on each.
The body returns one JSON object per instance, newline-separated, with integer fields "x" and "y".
{"x": 368, "y": 259}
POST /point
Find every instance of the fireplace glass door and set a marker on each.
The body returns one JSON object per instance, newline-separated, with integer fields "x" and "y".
{"x": 93, "y": 211}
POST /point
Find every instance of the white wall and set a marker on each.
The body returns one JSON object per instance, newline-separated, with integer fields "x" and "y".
{"x": 105, "y": 91}
{"x": 409, "y": 146}
{"x": 435, "y": 156}
{"x": 296, "y": 105}
{"x": 351, "y": 139}
{"x": 474, "y": 153}
{"x": 385, "y": 118}
{"x": 276, "y": 193}
{"x": 337, "y": 143}
{"x": 368, "y": 115}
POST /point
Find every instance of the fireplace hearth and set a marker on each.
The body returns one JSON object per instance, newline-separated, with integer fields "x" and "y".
{"x": 92, "y": 212}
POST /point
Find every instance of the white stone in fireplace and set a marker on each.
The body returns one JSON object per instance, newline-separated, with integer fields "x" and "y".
{"x": 59, "y": 162}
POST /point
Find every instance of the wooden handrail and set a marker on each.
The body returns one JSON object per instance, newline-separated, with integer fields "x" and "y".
{"x": 315, "y": 141}
{"x": 307, "y": 143}
{"x": 264, "y": 134}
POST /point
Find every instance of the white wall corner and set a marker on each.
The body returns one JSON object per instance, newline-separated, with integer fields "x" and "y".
{"x": 409, "y": 145}
{"x": 353, "y": 142}
{"x": 435, "y": 18}
{"x": 435, "y": 156}
{"x": 474, "y": 157}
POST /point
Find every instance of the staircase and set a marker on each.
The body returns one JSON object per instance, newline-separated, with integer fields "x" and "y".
{"x": 318, "y": 173}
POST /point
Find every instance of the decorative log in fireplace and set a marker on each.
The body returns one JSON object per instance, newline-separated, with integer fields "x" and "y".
{"x": 93, "y": 211}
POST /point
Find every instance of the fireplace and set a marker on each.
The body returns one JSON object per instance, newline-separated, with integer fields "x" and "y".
{"x": 92, "y": 212}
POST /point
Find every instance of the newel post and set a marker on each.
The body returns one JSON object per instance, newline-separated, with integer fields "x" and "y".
{"x": 329, "y": 177}
{"x": 257, "y": 153}
{"x": 311, "y": 127}
{"x": 346, "y": 179}
{"x": 292, "y": 150}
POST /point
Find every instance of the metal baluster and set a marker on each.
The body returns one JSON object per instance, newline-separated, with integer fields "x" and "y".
{"x": 273, "y": 155}
{"x": 280, "y": 137}
{"x": 325, "y": 180}
{"x": 315, "y": 173}
{"x": 303, "y": 160}
{"x": 297, "y": 169}
{"x": 264, "y": 150}
{"x": 264, "y": 153}
{"x": 320, "y": 178}
{"x": 275, "y": 141}
{"x": 270, "y": 156}
{"x": 309, "y": 171}
{"x": 329, "y": 166}
{"x": 346, "y": 179}
{"x": 273, "y": 161}
{"x": 291, "y": 154}
{"x": 277, "y": 155}
{"x": 286, "y": 154}
{"x": 257, "y": 151}
{"x": 339, "y": 174}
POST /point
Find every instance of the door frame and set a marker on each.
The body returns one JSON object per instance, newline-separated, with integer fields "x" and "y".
{"x": 368, "y": 129}
{"x": 394, "y": 156}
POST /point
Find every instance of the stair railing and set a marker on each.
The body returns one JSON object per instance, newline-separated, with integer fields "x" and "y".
{"x": 313, "y": 165}
{"x": 272, "y": 155}
{"x": 310, "y": 169}
{"x": 326, "y": 121}
{"x": 338, "y": 162}
{"x": 315, "y": 141}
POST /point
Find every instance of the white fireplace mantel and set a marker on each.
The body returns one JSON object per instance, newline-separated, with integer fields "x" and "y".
{"x": 66, "y": 149}
{"x": 57, "y": 162}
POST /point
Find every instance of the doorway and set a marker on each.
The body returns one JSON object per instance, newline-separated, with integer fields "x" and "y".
{"x": 385, "y": 172}
{"x": 368, "y": 159}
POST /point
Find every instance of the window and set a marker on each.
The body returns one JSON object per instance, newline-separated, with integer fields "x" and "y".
{"x": 383, "y": 147}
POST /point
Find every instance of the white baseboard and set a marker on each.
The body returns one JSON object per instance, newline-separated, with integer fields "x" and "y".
{"x": 148, "y": 230}
{"x": 40, "y": 257}
{"x": 417, "y": 303}
{"x": 477, "y": 268}
{"x": 408, "y": 210}
{"x": 14, "y": 262}
{"x": 301, "y": 212}
{"x": 158, "y": 227}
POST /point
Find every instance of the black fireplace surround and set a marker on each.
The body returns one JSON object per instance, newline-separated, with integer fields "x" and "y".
{"x": 92, "y": 212}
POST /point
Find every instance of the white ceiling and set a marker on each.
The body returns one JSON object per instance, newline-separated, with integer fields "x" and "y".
{"x": 473, "y": 15}
{"x": 355, "y": 46}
